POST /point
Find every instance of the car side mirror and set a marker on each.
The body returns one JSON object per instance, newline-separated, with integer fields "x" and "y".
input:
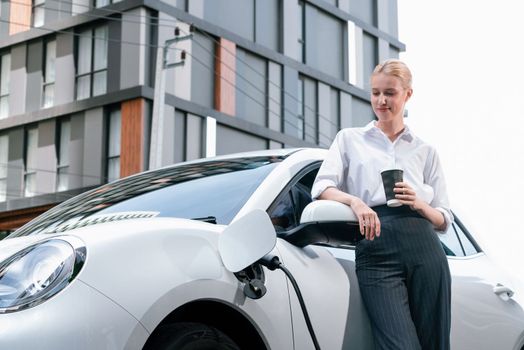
{"x": 246, "y": 240}
{"x": 327, "y": 211}
{"x": 325, "y": 222}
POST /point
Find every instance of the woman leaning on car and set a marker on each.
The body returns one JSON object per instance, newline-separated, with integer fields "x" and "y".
{"x": 402, "y": 270}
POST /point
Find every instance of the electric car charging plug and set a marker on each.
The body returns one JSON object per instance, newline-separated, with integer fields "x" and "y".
{"x": 272, "y": 262}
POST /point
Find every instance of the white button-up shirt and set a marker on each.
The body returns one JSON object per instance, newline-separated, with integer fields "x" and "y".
{"x": 358, "y": 156}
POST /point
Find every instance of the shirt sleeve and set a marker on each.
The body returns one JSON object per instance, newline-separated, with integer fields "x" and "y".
{"x": 434, "y": 176}
{"x": 331, "y": 172}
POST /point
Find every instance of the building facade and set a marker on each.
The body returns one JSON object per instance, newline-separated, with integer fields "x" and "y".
{"x": 78, "y": 78}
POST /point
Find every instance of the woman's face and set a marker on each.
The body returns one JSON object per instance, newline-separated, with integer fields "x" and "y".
{"x": 388, "y": 97}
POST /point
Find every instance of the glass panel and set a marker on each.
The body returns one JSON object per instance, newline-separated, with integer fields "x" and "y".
{"x": 251, "y": 102}
{"x": 113, "y": 169}
{"x": 49, "y": 95}
{"x": 283, "y": 214}
{"x": 469, "y": 248}
{"x": 5, "y": 64}
{"x": 370, "y": 57}
{"x": 80, "y": 6}
{"x": 30, "y": 185}
{"x": 223, "y": 186}
{"x": 83, "y": 86}
{"x": 39, "y": 2}
{"x": 62, "y": 179}
{"x": 3, "y": 190}
{"x": 309, "y": 109}
{"x": 50, "y": 61}
{"x": 38, "y": 16}
{"x": 99, "y": 83}
{"x": 4, "y": 148}
{"x": 101, "y": 3}
{"x": 300, "y": 108}
{"x": 450, "y": 242}
{"x": 4, "y": 107}
{"x": 65, "y": 136}
{"x": 301, "y": 36}
{"x": 334, "y": 117}
{"x": 31, "y": 149}
{"x": 84, "y": 52}
{"x": 101, "y": 36}
{"x": 114, "y": 134}
{"x": 365, "y": 10}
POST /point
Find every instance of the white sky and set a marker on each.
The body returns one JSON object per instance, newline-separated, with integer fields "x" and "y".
{"x": 467, "y": 60}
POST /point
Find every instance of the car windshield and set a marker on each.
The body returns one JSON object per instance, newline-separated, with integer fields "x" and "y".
{"x": 213, "y": 191}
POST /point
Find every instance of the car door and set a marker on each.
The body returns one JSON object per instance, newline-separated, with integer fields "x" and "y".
{"x": 484, "y": 316}
{"x": 324, "y": 282}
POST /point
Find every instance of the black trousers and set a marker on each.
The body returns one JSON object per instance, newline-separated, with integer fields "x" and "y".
{"x": 405, "y": 283}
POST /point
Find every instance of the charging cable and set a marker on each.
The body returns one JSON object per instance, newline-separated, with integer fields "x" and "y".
{"x": 272, "y": 262}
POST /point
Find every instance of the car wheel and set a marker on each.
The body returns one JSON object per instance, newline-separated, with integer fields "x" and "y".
{"x": 190, "y": 336}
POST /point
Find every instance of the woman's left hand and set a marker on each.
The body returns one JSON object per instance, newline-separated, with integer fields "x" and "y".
{"x": 406, "y": 195}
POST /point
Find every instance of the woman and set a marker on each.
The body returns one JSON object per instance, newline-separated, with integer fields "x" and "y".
{"x": 401, "y": 267}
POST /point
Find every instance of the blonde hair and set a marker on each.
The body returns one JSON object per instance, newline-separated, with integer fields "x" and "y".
{"x": 395, "y": 68}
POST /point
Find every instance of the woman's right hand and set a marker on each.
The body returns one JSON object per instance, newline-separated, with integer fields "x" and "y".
{"x": 367, "y": 218}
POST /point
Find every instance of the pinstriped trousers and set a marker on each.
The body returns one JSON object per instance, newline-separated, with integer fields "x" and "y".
{"x": 405, "y": 283}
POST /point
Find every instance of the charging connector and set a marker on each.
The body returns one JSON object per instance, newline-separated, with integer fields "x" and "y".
{"x": 272, "y": 262}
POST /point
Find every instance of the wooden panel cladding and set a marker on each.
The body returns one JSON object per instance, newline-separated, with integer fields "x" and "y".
{"x": 132, "y": 137}
{"x": 225, "y": 76}
{"x": 20, "y": 16}
{"x": 13, "y": 219}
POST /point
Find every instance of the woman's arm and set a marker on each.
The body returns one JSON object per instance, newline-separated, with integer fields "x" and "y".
{"x": 367, "y": 218}
{"x": 407, "y": 196}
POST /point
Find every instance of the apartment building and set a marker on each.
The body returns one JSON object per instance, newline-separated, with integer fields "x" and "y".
{"x": 95, "y": 90}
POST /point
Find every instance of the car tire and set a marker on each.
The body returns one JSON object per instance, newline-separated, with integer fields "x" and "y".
{"x": 190, "y": 336}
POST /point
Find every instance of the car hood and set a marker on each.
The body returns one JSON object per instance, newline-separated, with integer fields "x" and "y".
{"x": 96, "y": 231}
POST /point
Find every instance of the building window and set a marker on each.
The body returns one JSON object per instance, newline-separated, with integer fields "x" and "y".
{"x": 49, "y": 73}
{"x": 38, "y": 10}
{"x": 4, "y": 149}
{"x": 102, "y": 3}
{"x": 307, "y": 113}
{"x": 62, "y": 170}
{"x": 301, "y": 31}
{"x": 91, "y": 77}
{"x": 113, "y": 146}
{"x": 370, "y": 46}
{"x": 301, "y": 108}
{"x": 31, "y": 147}
{"x": 5, "y": 68}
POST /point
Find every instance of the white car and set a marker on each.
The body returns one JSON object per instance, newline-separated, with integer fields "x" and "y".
{"x": 172, "y": 259}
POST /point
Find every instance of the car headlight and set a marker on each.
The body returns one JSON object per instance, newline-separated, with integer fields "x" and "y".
{"x": 36, "y": 273}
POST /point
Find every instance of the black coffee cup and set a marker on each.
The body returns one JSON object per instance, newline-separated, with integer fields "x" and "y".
{"x": 389, "y": 179}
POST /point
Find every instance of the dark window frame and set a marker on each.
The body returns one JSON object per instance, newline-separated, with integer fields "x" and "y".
{"x": 58, "y": 147}
{"x": 46, "y": 83}
{"x": 286, "y": 191}
{"x": 5, "y": 95}
{"x": 108, "y": 157}
{"x": 302, "y": 31}
{"x": 92, "y": 72}
{"x": 29, "y": 171}
{"x": 40, "y": 7}
{"x": 5, "y": 165}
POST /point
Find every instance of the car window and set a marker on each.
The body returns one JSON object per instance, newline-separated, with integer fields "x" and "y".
{"x": 285, "y": 212}
{"x": 212, "y": 190}
{"x": 467, "y": 244}
{"x": 450, "y": 242}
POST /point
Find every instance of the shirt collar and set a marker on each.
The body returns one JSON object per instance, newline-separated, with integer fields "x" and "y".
{"x": 407, "y": 134}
